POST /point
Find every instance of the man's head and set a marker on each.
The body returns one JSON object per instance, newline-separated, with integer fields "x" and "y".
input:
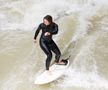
{"x": 47, "y": 20}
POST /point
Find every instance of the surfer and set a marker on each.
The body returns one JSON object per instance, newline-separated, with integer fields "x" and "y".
{"x": 47, "y": 44}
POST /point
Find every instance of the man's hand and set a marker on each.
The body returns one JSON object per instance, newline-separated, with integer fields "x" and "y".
{"x": 47, "y": 34}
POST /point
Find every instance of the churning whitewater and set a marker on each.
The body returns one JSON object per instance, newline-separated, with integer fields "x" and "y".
{"x": 83, "y": 34}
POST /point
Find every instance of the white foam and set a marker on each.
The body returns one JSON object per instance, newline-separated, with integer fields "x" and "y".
{"x": 86, "y": 12}
{"x": 33, "y": 13}
{"x": 85, "y": 80}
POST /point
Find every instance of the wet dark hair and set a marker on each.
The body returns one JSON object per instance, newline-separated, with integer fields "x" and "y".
{"x": 49, "y": 18}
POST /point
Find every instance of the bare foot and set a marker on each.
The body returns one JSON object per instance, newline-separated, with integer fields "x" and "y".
{"x": 60, "y": 63}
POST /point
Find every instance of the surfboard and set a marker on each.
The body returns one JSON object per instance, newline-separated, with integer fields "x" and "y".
{"x": 55, "y": 72}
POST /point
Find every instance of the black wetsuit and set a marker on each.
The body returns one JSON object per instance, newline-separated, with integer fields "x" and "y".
{"x": 46, "y": 42}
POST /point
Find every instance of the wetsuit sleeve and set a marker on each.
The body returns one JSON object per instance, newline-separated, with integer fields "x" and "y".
{"x": 55, "y": 30}
{"x": 37, "y": 31}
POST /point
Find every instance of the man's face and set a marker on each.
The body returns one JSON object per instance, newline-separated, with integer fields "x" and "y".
{"x": 46, "y": 22}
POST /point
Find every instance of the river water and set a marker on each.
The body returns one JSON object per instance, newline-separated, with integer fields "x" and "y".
{"x": 83, "y": 34}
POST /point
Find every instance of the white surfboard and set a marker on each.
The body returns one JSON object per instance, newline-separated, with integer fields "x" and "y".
{"x": 55, "y": 72}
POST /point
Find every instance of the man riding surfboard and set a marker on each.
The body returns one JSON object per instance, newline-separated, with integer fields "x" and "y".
{"x": 47, "y": 44}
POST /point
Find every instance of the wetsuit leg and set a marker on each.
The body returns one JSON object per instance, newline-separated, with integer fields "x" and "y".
{"x": 47, "y": 51}
{"x": 56, "y": 50}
